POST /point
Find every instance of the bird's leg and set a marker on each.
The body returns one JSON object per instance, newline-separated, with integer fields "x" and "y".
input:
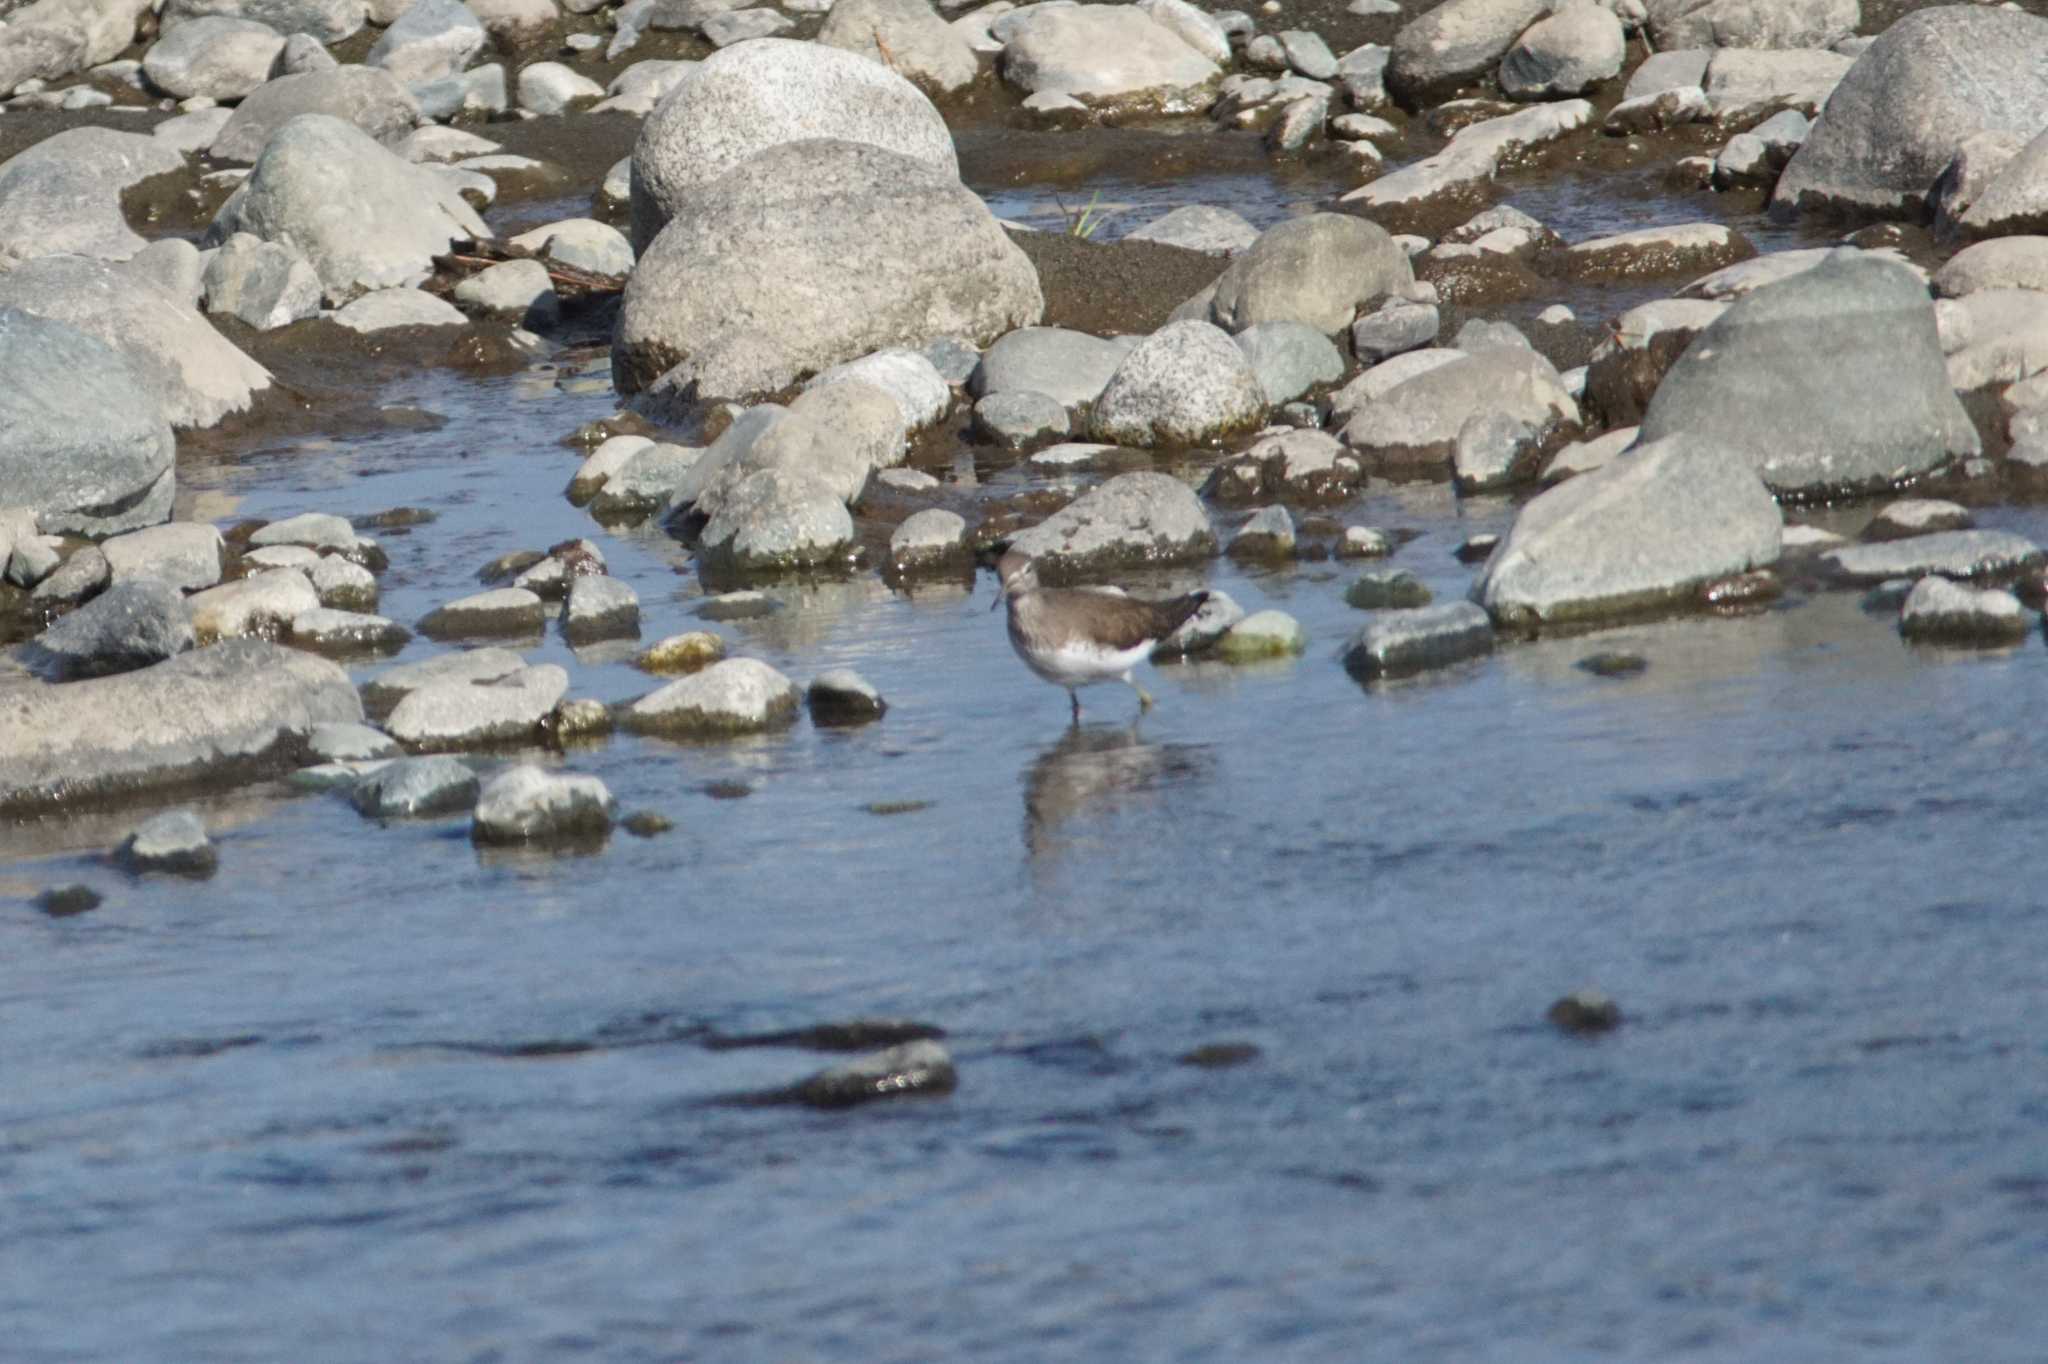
{"x": 1075, "y": 697}
{"x": 1144, "y": 697}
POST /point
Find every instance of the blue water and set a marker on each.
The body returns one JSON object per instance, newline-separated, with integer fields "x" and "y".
{"x": 373, "y": 1093}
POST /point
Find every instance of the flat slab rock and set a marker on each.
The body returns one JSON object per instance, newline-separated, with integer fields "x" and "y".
{"x": 1950, "y": 553}
{"x": 416, "y": 788}
{"x": 1395, "y": 643}
{"x": 736, "y": 696}
{"x": 234, "y": 712}
{"x": 463, "y": 714}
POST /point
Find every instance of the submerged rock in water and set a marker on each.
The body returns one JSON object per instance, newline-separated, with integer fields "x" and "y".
{"x": 1395, "y": 643}
{"x": 1200, "y": 632}
{"x": 388, "y": 688}
{"x": 233, "y": 712}
{"x": 841, "y": 697}
{"x": 416, "y": 787}
{"x": 685, "y": 653}
{"x": 737, "y": 696}
{"x": 1585, "y": 1012}
{"x": 1641, "y": 534}
{"x": 525, "y": 804}
{"x": 175, "y": 842}
{"x": 922, "y": 1067}
{"x": 929, "y": 541}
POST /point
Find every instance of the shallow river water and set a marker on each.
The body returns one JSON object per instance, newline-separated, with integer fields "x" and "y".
{"x": 370, "y": 1093}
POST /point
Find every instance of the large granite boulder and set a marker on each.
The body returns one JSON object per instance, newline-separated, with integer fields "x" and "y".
{"x": 1114, "y": 56}
{"x": 1685, "y": 24}
{"x": 51, "y": 39}
{"x": 808, "y": 255}
{"x": 370, "y": 99}
{"x": 1318, "y": 271}
{"x": 1932, "y": 80}
{"x": 63, "y": 195}
{"x": 1857, "y": 330}
{"x": 400, "y": 216}
{"x": 1455, "y": 42}
{"x": 907, "y": 36}
{"x": 753, "y": 96}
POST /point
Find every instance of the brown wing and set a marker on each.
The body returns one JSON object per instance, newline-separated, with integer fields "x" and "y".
{"x": 1125, "y": 622}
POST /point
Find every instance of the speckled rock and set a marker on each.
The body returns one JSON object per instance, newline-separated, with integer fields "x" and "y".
{"x": 464, "y": 714}
{"x": 737, "y": 696}
{"x": 526, "y": 804}
{"x": 185, "y": 554}
{"x": 1944, "y": 612}
{"x": 416, "y": 788}
{"x": 262, "y": 604}
{"x": 130, "y": 625}
{"x": 929, "y": 541}
{"x": 1396, "y": 643}
{"x": 174, "y": 841}
{"x": 328, "y": 631}
{"x": 688, "y": 652}
{"x": 1950, "y": 553}
{"x": 1186, "y": 384}
{"x": 599, "y": 608}
{"x": 501, "y": 611}
{"x": 1133, "y": 519}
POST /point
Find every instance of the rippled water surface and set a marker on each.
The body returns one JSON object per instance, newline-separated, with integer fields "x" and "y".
{"x": 370, "y": 1093}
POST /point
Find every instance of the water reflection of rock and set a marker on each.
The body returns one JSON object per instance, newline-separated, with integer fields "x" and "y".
{"x": 1096, "y": 769}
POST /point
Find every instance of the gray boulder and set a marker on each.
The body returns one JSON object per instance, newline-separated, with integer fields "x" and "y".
{"x": 328, "y": 21}
{"x": 501, "y": 611}
{"x": 130, "y": 625}
{"x": 1686, "y": 24}
{"x": 810, "y": 254}
{"x": 526, "y": 804}
{"x": 384, "y": 691}
{"x": 1474, "y": 157}
{"x": 746, "y": 99}
{"x": 1455, "y": 42}
{"x": 262, "y": 605}
{"x": 1186, "y": 384}
{"x": 910, "y": 378}
{"x": 81, "y": 441}
{"x": 1579, "y": 46}
{"x": 215, "y": 56}
{"x": 1198, "y": 227}
{"x": 582, "y": 242}
{"x": 839, "y": 697}
{"x": 80, "y": 577}
{"x": 928, "y": 541}
{"x": 1857, "y": 328}
{"x": 460, "y": 713}
{"x": 1397, "y": 643}
{"x": 174, "y": 841}
{"x": 1942, "y": 612}
{"x": 416, "y": 788}
{"x": 1289, "y": 359}
{"x": 1646, "y": 532}
{"x": 907, "y": 36}
{"x": 264, "y": 284}
{"x": 50, "y": 39}
{"x": 1414, "y": 426}
{"x": 1071, "y": 366}
{"x": 193, "y": 374}
{"x": 1133, "y": 520}
{"x": 599, "y": 607}
{"x": 1113, "y": 56}
{"x": 736, "y": 696}
{"x": 63, "y": 195}
{"x": 372, "y": 101}
{"x": 1896, "y": 119}
{"x": 383, "y": 310}
{"x": 1950, "y": 553}
{"x": 432, "y": 39}
{"x": 400, "y": 217}
{"x": 1318, "y": 270}
{"x": 185, "y": 555}
{"x": 773, "y": 521}
{"x": 327, "y": 630}
{"x": 235, "y": 712}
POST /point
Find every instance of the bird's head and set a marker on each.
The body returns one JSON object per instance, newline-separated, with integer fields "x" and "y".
{"x": 1015, "y": 573}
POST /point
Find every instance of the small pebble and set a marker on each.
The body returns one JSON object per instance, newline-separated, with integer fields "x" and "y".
{"x": 1613, "y": 664}
{"x": 60, "y": 902}
{"x": 1476, "y": 549}
{"x": 1218, "y": 1055}
{"x": 646, "y": 824}
{"x": 1586, "y": 1012}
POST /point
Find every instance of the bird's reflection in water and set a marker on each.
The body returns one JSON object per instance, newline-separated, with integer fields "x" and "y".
{"x": 1095, "y": 769}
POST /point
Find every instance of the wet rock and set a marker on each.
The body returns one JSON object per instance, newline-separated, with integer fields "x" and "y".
{"x": 521, "y": 289}
{"x": 525, "y": 804}
{"x": 551, "y": 575}
{"x": 178, "y": 363}
{"x": 1394, "y": 328}
{"x": 1453, "y": 43}
{"x": 1186, "y": 384}
{"x": 810, "y": 254}
{"x": 1916, "y": 516}
{"x": 61, "y": 902}
{"x": 1289, "y": 358}
{"x": 328, "y": 631}
{"x": 648, "y": 480}
{"x": 1364, "y": 542}
{"x": 130, "y": 625}
{"x": 1896, "y": 119}
{"x": 79, "y": 577}
{"x": 214, "y": 56}
{"x": 836, "y": 442}
{"x": 1639, "y": 350}
{"x": 364, "y": 97}
{"x": 685, "y": 653}
{"x": 1613, "y": 664}
{"x": 743, "y": 100}
{"x": 600, "y": 608}
{"x": 183, "y": 554}
{"x": 431, "y": 40}
{"x": 1198, "y": 227}
{"x": 1996, "y": 186}
{"x": 1112, "y": 56}
{"x": 416, "y": 788}
{"x": 1318, "y": 270}
{"x": 478, "y": 91}
{"x": 384, "y": 691}
{"x": 930, "y": 541}
{"x": 579, "y": 718}
{"x": 1267, "y": 535}
{"x": 1397, "y": 643}
{"x": 402, "y": 216}
{"x": 1585, "y": 1013}
{"x": 1199, "y": 633}
{"x": 840, "y": 697}
{"x": 1641, "y": 534}
{"x": 1577, "y": 47}
{"x": 1305, "y": 465}
{"x": 1939, "y": 611}
{"x": 1131, "y": 520}
{"x": 1859, "y": 328}
{"x": 1495, "y": 450}
{"x": 1950, "y": 553}
{"x": 1475, "y": 155}
{"x": 349, "y": 743}
{"x": 459, "y": 713}
{"x": 173, "y": 842}
{"x": 907, "y": 37}
{"x": 922, "y": 1067}
{"x": 63, "y": 194}
{"x": 736, "y": 696}
{"x": 502, "y": 611}
{"x": 265, "y": 284}
{"x": 342, "y": 585}
{"x": 1755, "y": 158}
{"x": 1072, "y": 367}
{"x": 773, "y": 521}
{"x": 263, "y": 605}
{"x": 234, "y": 712}
{"x": 1684, "y": 248}
{"x": 604, "y": 462}
{"x": 582, "y": 242}
{"x": 1415, "y": 425}
{"x": 1995, "y": 337}
{"x": 313, "y": 530}
{"x": 1260, "y": 636}
{"x": 389, "y": 309}
{"x": 1653, "y": 113}
{"x": 1361, "y": 74}
{"x": 1018, "y": 419}
{"x": 1391, "y": 590}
